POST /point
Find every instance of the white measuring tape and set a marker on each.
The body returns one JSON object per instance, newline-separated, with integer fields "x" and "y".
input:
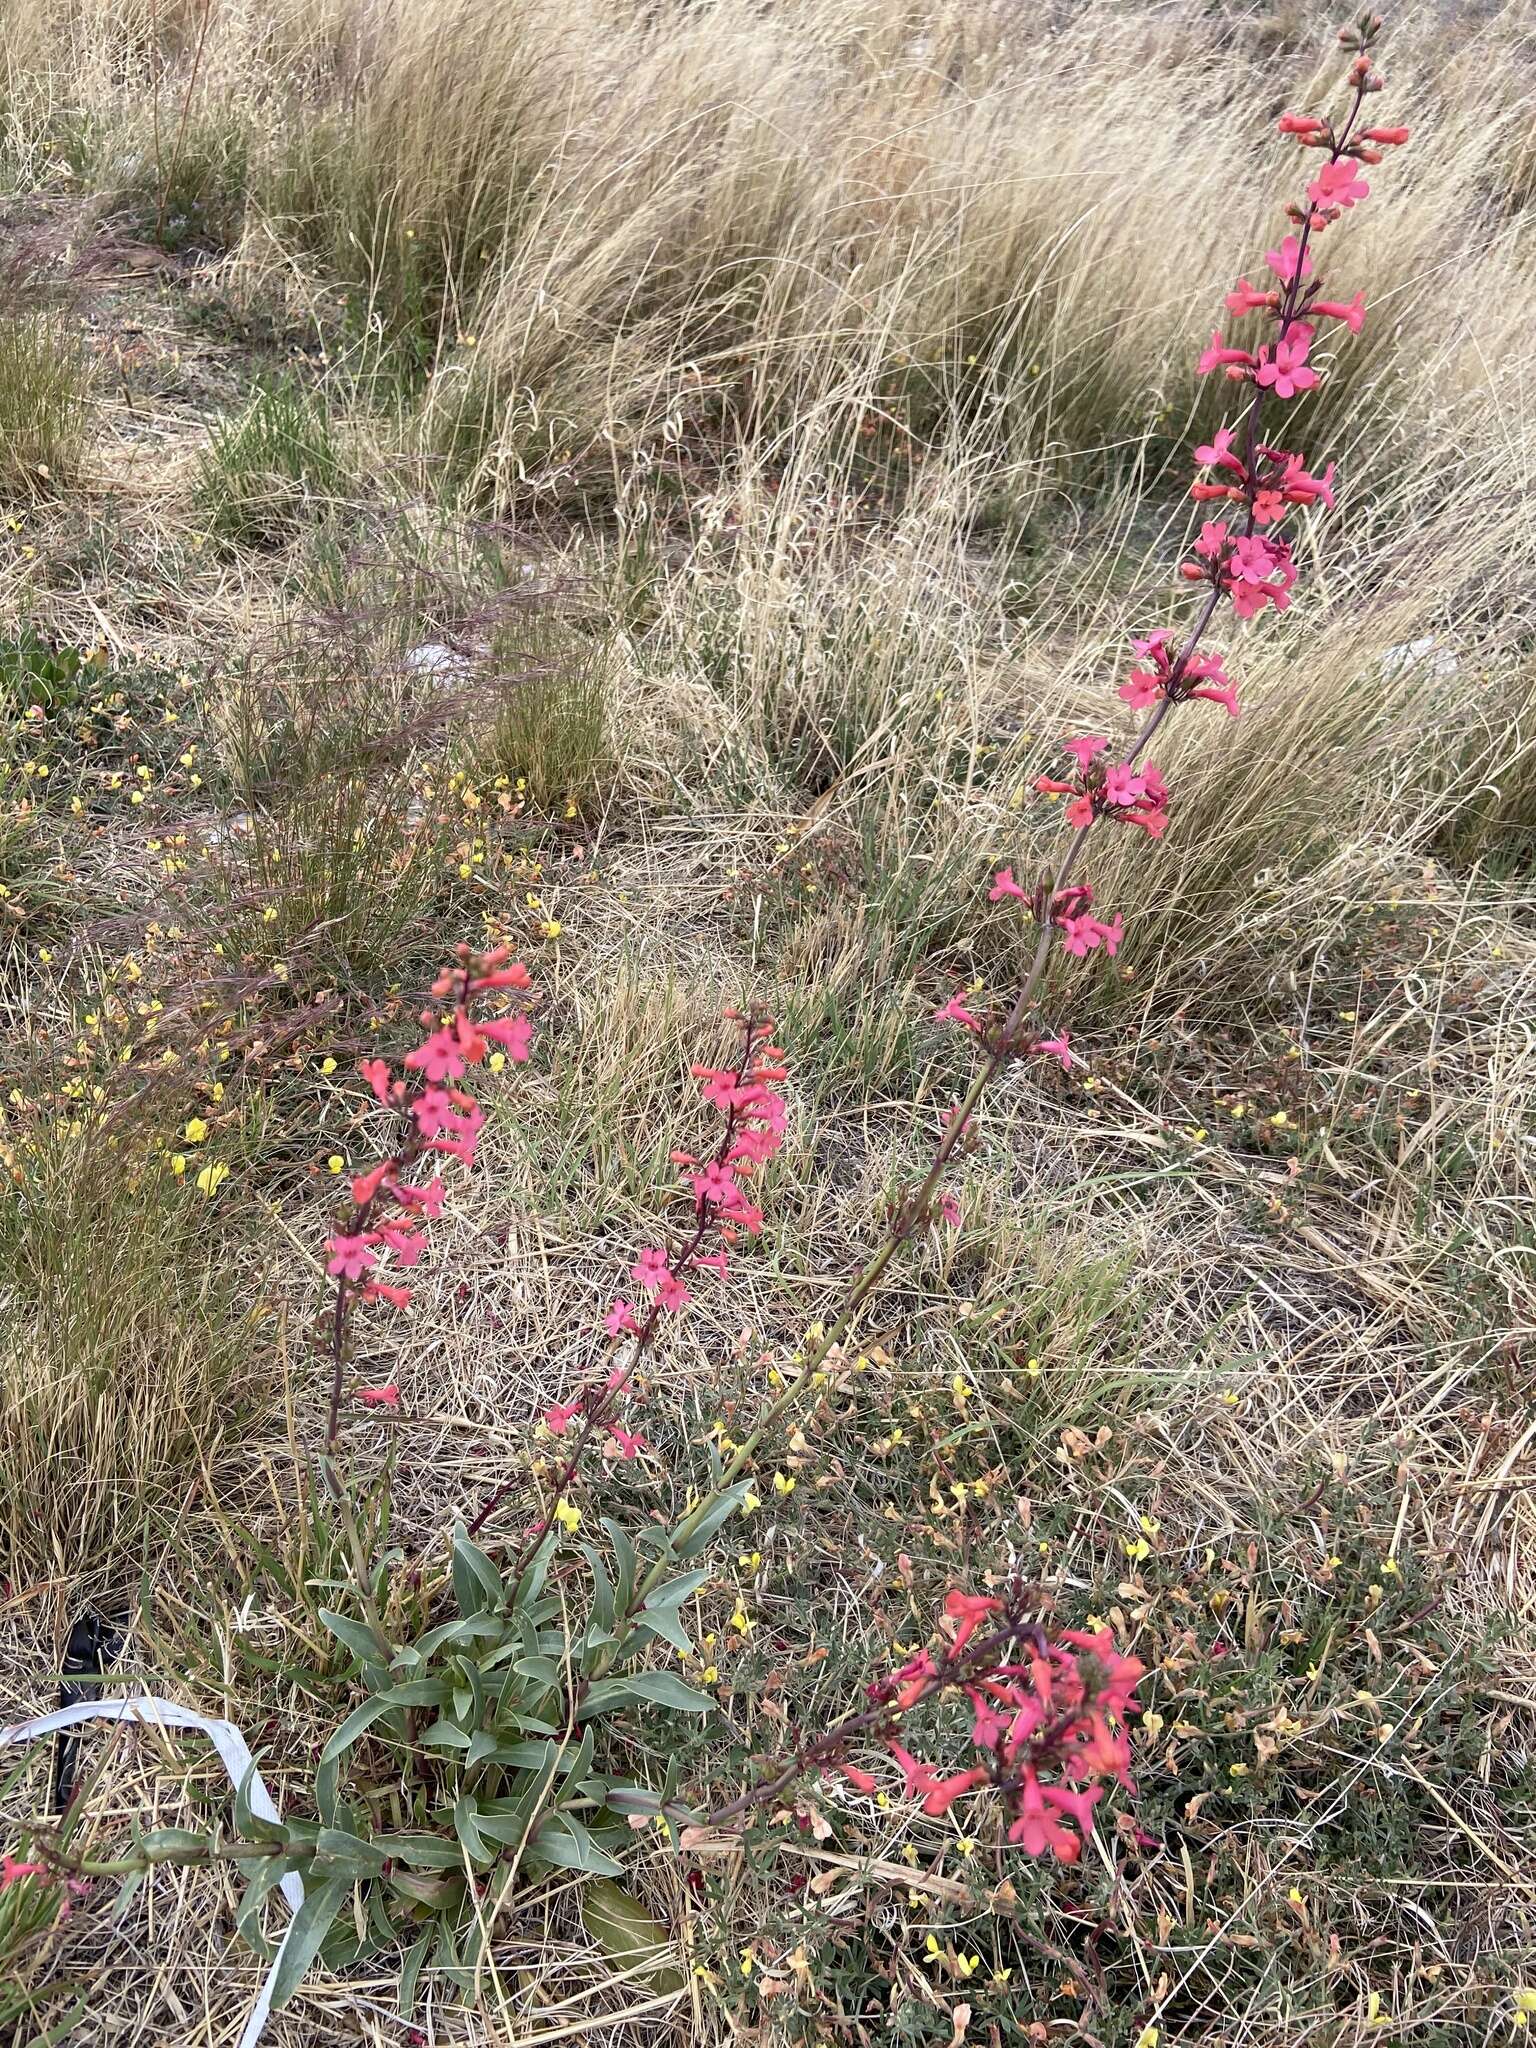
{"x": 235, "y": 1754}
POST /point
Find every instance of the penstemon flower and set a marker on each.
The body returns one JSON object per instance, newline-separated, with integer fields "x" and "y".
{"x": 1048, "y": 1709}
{"x": 755, "y": 1118}
{"x": 1242, "y": 559}
{"x": 1048, "y": 1724}
{"x": 392, "y": 1204}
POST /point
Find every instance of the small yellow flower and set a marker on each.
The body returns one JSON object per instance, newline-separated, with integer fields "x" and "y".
{"x": 212, "y": 1178}
{"x": 335, "y": 1163}
{"x": 782, "y": 1484}
{"x": 327, "y": 1066}
{"x": 196, "y": 1131}
{"x": 179, "y": 1164}
{"x": 568, "y": 1516}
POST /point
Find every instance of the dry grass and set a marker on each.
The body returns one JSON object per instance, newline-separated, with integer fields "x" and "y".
{"x": 773, "y": 420}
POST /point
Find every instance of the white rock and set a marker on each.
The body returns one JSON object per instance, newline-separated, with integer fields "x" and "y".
{"x": 438, "y": 663}
{"x": 1441, "y": 660}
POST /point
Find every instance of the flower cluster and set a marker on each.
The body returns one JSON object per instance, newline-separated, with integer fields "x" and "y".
{"x": 1241, "y": 558}
{"x": 1160, "y": 676}
{"x": 717, "y": 1185}
{"x": 392, "y": 1203}
{"x": 1048, "y": 1722}
{"x": 1109, "y": 789}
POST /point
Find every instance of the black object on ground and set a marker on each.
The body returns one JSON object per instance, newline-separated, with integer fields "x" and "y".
{"x": 93, "y": 1645}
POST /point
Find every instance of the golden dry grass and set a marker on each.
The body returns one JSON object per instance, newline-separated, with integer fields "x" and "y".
{"x": 822, "y": 383}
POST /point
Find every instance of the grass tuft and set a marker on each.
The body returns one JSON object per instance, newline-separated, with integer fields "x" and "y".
{"x": 269, "y": 469}
{"x": 44, "y": 403}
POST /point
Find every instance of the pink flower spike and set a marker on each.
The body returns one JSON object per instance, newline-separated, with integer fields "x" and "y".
{"x": 629, "y": 1445}
{"x": 1086, "y": 750}
{"x": 949, "y": 1209}
{"x": 558, "y": 1419}
{"x": 12, "y": 1872}
{"x": 1004, "y": 885}
{"x": 1290, "y": 261}
{"x": 379, "y": 1397}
